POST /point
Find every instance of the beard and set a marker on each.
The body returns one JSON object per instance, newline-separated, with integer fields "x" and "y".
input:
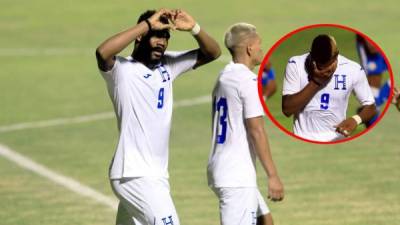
{"x": 148, "y": 54}
{"x": 156, "y": 53}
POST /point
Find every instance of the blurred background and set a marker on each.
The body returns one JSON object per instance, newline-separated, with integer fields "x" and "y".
{"x": 55, "y": 110}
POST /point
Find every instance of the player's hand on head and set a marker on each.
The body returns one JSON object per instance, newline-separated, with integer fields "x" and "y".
{"x": 346, "y": 127}
{"x": 183, "y": 21}
{"x": 323, "y": 75}
{"x": 275, "y": 189}
{"x": 162, "y": 19}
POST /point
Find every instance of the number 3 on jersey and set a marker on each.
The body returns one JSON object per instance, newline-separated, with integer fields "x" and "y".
{"x": 221, "y": 106}
{"x": 324, "y": 101}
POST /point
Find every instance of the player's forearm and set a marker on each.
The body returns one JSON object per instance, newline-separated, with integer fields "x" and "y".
{"x": 209, "y": 48}
{"x": 260, "y": 143}
{"x": 115, "y": 44}
{"x": 264, "y": 154}
{"x": 292, "y": 104}
{"x": 367, "y": 112}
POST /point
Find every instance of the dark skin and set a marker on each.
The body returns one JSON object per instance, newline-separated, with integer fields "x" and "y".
{"x": 320, "y": 75}
{"x": 155, "y": 45}
{"x": 265, "y": 220}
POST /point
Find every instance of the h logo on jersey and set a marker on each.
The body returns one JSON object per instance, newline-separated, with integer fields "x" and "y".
{"x": 168, "y": 220}
{"x": 340, "y": 81}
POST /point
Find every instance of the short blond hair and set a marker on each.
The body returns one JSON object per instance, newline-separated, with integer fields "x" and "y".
{"x": 237, "y": 34}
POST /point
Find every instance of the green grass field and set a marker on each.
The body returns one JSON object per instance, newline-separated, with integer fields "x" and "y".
{"x": 49, "y": 71}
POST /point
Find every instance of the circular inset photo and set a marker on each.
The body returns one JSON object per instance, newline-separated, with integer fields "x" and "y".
{"x": 325, "y": 83}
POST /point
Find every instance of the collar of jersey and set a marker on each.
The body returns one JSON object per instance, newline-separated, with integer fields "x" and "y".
{"x": 131, "y": 59}
{"x": 238, "y": 65}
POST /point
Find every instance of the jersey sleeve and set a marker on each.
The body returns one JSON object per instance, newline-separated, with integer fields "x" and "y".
{"x": 180, "y": 62}
{"x": 251, "y": 102}
{"x": 108, "y": 75}
{"x": 362, "y": 89}
{"x": 291, "y": 83}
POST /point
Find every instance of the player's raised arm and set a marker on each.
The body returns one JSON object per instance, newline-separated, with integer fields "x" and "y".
{"x": 320, "y": 65}
{"x": 107, "y": 51}
{"x": 255, "y": 128}
{"x": 294, "y": 103}
{"x": 209, "y": 49}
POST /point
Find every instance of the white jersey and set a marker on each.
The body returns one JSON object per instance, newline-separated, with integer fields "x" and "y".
{"x": 328, "y": 106}
{"x": 235, "y": 98}
{"x": 142, "y": 100}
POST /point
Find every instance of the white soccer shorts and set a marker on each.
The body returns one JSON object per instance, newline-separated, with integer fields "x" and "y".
{"x": 240, "y": 206}
{"x": 144, "y": 201}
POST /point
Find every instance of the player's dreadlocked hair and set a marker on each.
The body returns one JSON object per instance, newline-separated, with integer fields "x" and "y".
{"x": 323, "y": 49}
{"x": 147, "y": 14}
{"x": 161, "y": 33}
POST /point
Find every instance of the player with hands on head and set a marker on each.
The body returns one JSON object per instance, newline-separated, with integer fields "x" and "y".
{"x": 316, "y": 91}
{"x": 238, "y": 135}
{"x": 140, "y": 88}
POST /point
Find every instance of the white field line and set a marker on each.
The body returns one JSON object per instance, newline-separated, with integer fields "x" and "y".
{"x": 92, "y": 117}
{"x": 57, "y": 178}
{"x": 60, "y": 179}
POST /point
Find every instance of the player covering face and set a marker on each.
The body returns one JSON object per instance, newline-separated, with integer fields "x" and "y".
{"x": 239, "y": 136}
{"x": 316, "y": 91}
{"x": 140, "y": 88}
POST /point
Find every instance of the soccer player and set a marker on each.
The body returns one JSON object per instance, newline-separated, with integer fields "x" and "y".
{"x": 140, "y": 87}
{"x": 239, "y": 136}
{"x": 372, "y": 61}
{"x": 268, "y": 81}
{"x": 316, "y": 90}
{"x": 374, "y": 64}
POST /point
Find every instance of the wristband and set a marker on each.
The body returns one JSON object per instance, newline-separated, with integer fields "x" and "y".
{"x": 148, "y": 24}
{"x": 195, "y": 30}
{"x": 357, "y": 118}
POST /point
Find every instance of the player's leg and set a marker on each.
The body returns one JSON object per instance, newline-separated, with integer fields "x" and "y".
{"x": 161, "y": 207}
{"x": 129, "y": 209}
{"x": 264, "y": 216}
{"x": 146, "y": 200}
{"x": 124, "y": 218}
{"x": 237, "y": 205}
